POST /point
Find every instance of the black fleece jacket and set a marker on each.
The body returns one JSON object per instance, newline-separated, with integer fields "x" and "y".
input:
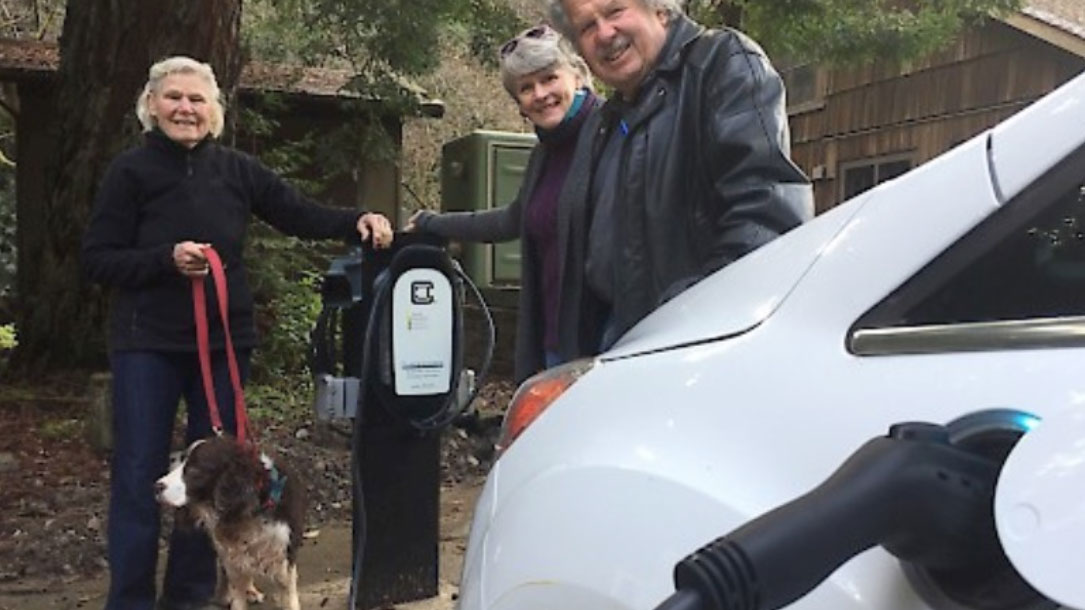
{"x": 161, "y": 193}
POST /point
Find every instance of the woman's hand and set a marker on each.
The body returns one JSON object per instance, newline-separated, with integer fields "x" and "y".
{"x": 412, "y": 221}
{"x": 377, "y": 227}
{"x": 189, "y": 259}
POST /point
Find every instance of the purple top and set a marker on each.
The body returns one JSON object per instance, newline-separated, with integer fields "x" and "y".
{"x": 542, "y": 214}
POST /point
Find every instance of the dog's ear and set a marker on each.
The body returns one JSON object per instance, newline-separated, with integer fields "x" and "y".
{"x": 235, "y": 493}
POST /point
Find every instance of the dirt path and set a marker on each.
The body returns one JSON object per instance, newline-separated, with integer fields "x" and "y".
{"x": 54, "y": 494}
{"x": 324, "y": 568}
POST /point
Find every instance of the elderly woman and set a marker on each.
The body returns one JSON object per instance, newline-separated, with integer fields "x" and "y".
{"x": 551, "y": 87}
{"x": 157, "y": 205}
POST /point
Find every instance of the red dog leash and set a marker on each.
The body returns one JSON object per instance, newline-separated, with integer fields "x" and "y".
{"x": 199, "y": 302}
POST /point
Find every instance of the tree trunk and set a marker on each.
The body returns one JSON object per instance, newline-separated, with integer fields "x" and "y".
{"x": 106, "y": 49}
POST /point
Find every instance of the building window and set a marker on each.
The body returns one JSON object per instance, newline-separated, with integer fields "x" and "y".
{"x": 859, "y": 176}
{"x": 804, "y": 88}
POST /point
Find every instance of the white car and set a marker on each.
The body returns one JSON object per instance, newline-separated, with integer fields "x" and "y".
{"x": 955, "y": 293}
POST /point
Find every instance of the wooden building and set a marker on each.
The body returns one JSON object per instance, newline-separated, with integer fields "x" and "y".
{"x": 855, "y": 127}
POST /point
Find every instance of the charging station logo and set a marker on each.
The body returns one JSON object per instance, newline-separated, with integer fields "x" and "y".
{"x": 422, "y": 292}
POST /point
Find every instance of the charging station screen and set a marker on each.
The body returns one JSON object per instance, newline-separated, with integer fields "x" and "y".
{"x": 422, "y": 332}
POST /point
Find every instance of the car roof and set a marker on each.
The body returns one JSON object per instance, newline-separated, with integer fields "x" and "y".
{"x": 1033, "y": 140}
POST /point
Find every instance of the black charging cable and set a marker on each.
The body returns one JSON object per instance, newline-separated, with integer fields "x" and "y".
{"x": 920, "y": 497}
{"x": 451, "y": 410}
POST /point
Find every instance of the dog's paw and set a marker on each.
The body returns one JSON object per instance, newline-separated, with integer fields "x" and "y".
{"x": 221, "y": 598}
{"x": 225, "y": 598}
{"x": 254, "y": 595}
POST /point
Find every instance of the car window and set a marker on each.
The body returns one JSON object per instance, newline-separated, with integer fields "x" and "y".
{"x": 1007, "y": 283}
{"x": 1038, "y": 271}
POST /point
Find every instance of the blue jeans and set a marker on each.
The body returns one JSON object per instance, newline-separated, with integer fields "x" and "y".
{"x": 147, "y": 387}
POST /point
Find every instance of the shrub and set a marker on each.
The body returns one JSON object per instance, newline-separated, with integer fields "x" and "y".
{"x": 285, "y": 277}
{"x": 8, "y": 341}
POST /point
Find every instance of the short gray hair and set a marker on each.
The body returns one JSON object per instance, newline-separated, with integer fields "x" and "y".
{"x": 533, "y": 53}
{"x": 180, "y": 65}
{"x": 672, "y": 8}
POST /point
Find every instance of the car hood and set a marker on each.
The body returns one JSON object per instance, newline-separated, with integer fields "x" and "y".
{"x": 741, "y": 295}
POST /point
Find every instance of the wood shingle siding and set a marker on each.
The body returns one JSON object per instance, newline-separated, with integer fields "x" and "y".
{"x": 922, "y": 108}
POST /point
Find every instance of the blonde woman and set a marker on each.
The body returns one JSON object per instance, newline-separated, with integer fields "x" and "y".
{"x": 157, "y": 205}
{"x": 550, "y": 86}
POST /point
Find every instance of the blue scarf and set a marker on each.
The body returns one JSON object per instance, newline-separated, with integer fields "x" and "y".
{"x": 578, "y": 101}
{"x": 579, "y": 109}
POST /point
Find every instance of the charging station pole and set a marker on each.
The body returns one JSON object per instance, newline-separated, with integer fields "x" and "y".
{"x": 400, "y": 473}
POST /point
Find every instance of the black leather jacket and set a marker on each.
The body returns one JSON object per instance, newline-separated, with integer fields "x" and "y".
{"x": 704, "y": 175}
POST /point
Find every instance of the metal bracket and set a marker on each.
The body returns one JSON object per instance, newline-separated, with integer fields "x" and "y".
{"x": 336, "y": 397}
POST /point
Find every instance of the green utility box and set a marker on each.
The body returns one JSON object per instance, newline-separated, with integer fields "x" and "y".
{"x": 480, "y": 171}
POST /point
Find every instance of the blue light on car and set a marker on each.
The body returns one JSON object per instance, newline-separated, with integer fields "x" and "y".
{"x": 981, "y": 423}
{"x": 1026, "y": 421}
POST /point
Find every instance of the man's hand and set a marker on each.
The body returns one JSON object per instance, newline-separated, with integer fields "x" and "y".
{"x": 189, "y": 259}
{"x": 377, "y": 227}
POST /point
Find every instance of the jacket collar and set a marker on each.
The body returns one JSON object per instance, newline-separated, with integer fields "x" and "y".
{"x": 276, "y": 483}
{"x": 157, "y": 139}
{"x": 681, "y": 32}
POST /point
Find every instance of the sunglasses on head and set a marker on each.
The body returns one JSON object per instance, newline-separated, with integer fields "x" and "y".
{"x": 538, "y": 31}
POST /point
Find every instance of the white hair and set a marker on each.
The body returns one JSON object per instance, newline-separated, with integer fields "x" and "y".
{"x": 180, "y": 65}
{"x": 560, "y": 19}
{"x": 532, "y": 54}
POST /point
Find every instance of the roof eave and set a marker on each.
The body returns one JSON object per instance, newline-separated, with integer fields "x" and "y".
{"x": 1047, "y": 31}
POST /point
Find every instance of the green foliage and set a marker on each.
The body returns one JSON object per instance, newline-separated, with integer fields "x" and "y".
{"x": 286, "y": 401}
{"x": 489, "y": 23}
{"x": 8, "y": 341}
{"x": 284, "y": 272}
{"x": 284, "y": 275}
{"x": 8, "y": 338}
{"x": 61, "y": 429}
{"x": 381, "y": 41}
{"x": 37, "y": 19}
{"x": 375, "y": 37}
{"x": 258, "y": 124}
{"x": 850, "y": 30}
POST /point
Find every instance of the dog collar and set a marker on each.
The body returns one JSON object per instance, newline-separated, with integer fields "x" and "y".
{"x": 276, "y": 482}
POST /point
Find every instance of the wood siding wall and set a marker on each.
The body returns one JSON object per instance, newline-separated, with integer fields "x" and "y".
{"x": 923, "y": 108}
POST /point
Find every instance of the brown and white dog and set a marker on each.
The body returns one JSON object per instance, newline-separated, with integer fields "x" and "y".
{"x": 252, "y": 510}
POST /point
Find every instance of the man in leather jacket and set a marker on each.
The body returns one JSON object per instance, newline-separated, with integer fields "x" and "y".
{"x": 686, "y": 169}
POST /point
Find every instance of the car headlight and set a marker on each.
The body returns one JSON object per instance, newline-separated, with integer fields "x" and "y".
{"x": 535, "y": 395}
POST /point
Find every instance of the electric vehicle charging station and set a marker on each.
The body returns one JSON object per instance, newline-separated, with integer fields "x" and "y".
{"x": 395, "y": 318}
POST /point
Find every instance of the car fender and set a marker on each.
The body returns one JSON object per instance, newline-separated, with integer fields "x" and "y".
{"x": 662, "y": 522}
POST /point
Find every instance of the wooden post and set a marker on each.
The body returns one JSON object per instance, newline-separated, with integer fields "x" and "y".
{"x": 100, "y": 416}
